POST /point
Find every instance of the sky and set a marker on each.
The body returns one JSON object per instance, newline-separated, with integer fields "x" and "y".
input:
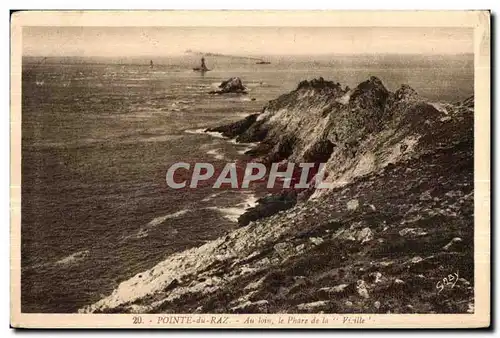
{"x": 165, "y": 41}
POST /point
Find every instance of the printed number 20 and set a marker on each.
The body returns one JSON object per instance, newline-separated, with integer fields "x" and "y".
{"x": 137, "y": 320}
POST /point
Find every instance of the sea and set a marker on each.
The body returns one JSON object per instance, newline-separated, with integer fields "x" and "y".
{"x": 98, "y": 135}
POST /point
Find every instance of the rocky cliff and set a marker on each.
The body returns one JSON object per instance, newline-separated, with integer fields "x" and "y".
{"x": 399, "y": 220}
{"x": 231, "y": 85}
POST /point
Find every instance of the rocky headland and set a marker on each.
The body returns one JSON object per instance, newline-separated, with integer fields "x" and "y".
{"x": 397, "y": 222}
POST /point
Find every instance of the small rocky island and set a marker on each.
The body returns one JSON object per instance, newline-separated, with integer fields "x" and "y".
{"x": 231, "y": 85}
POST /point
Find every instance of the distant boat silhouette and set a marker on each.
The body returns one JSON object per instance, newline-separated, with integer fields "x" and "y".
{"x": 262, "y": 62}
{"x": 151, "y": 64}
{"x": 203, "y": 68}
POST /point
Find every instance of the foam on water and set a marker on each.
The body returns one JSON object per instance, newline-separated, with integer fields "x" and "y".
{"x": 144, "y": 230}
{"x": 246, "y": 146}
{"x": 202, "y": 131}
{"x": 217, "y": 154}
{"x": 232, "y": 213}
{"x": 244, "y": 150}
{"x": 159, "y": 220}
{"x": 211, "y": 197}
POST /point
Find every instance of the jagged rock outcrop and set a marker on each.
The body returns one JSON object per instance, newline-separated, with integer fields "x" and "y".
{"x": 231, "y": 85}
{"x": 398, "y": 221}
{"x": 354, "y": 131}
{"x": 405, "y": 94}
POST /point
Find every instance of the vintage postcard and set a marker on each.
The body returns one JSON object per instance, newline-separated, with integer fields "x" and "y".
{"x": 258, "y": 169}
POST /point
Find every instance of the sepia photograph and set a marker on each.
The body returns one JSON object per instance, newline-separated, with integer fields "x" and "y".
{"x": 330, "y": 169}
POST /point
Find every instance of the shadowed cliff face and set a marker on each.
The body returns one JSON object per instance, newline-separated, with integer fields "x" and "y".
{"x": 399, "y": 220}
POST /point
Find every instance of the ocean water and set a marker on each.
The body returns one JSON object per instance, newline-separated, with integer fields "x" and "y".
{"x": 99, "y": 135}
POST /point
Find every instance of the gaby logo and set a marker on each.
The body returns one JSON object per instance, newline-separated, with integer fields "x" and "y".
{"x": 182, "y": 175}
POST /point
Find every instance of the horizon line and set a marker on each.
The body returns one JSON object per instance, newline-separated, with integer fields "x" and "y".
{"x": 237, "y": 56}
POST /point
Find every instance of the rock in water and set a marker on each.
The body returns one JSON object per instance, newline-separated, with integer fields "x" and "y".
{"x": 232, "y": 85}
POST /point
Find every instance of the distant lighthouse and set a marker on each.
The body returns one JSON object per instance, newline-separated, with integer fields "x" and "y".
{"x": 203, "y": 66}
